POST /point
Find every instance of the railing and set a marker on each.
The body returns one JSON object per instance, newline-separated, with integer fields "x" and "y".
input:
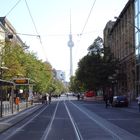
{"x": 7, "y": 107}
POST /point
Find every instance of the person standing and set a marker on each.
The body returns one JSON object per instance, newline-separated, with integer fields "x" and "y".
{"x": 138, "y": 98}
{"x": 17, "y": 101}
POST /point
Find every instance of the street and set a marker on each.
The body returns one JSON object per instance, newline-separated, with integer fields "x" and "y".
{"x": 68, "y": 119}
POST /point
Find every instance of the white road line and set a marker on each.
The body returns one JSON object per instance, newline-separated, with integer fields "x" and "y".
{"x": 46, "y": 132}
{"x": 19, "y": 128}
{"x": 77, "y": 132}
{"x": 110, "y": 131}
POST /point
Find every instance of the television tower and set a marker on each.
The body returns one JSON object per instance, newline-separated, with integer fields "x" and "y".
{"x": 70, "y": 45}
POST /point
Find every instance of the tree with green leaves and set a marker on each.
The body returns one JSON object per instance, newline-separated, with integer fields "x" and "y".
{"x": 75, "y": 85}
{"x": 23, "y": 62}
{"x": 95, "y": 68}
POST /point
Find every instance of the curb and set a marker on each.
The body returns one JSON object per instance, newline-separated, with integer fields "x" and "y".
{"x": 10, "y": 121}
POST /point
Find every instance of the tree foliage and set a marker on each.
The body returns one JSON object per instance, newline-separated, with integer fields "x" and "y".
{"x": 75, "y": 85}
{"x": 23, "y": 62}
{"x": 96, "y": 67}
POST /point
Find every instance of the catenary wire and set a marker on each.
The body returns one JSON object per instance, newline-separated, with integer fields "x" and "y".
{"x": 88, "y": 17}
{"x": 31, "y": 16}
{"x": 12, "y": 8}
{"x": 36, "y": 29}
{"x": 81, "y": 34}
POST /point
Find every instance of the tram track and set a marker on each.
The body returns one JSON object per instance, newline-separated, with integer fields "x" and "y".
{"x": 77, "y": 132}
{"x": 65, "y": 120}
{"x": 18, "y": 127}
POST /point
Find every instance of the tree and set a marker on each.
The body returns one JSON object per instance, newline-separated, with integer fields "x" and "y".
{"x": 75, "y": 85}
{"x": 95, "y": 68}
{"x": 28, "y": 65}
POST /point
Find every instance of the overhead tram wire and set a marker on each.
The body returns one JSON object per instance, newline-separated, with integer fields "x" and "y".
{"x": 37, "y": 35}
{"x": 12, "y": 8}
{"x": 88, "y": 17}
{"x": 31, "y": 16}
{"x": 35, "y": 25}
{"x": 86, "y": 23}
{"x": 36, "y": 29}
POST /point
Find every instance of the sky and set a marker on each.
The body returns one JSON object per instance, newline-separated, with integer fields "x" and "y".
{"x": 50, "y": 19}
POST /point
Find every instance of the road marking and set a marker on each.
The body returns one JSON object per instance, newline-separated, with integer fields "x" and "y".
{"x": 115, "y": 136}
{"x": 20, "y": 128}
{"x": 78, "y": 134}
{"x": 47, "y": 131}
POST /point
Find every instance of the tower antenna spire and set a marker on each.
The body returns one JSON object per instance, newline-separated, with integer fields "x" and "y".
{"x": 70, "y": 45}
{"x": 70, "y": 21}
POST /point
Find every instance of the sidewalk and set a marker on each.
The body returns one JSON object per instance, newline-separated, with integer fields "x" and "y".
{"x": 7, "y": 108}
{"x": 7, "y": 121}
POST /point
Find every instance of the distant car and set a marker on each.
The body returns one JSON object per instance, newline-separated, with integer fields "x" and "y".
{"x": 120, "y": 101}
{"x": 89, "y": 94}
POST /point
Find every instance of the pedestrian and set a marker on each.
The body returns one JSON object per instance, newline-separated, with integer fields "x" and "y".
{"x": 78, "y": 96}
{"x": 110, "y": 97}
{"x": 10, "y": 101}
{"x": 47, "y": 98}
{"x": 106, "y": 99}
{"x": 138, "y": 98}
{"x": 17, "y": 101}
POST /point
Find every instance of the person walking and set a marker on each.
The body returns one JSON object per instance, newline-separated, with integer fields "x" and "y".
{"x": 17, "y": 101}
{"x": 47, "y": 98}
{"x": 106, "y": 99}
{"x": 110, "y": 97}
{"x": 50, "y": 99}
{"x": 138, "y": 98}
{"x": 78, "y": 96}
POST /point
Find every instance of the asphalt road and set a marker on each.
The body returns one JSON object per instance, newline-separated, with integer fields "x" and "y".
{"x": 69, "y": 119}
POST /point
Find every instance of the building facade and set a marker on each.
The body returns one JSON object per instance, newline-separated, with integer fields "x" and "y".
{"x": 2, "y": 40}
{"x": 10, "y": 32}
{"x": 119, "y": 36}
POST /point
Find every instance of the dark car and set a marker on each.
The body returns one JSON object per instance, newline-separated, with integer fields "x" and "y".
{"x": 120, "y": 101}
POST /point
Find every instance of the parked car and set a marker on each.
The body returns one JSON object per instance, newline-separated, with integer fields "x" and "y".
{"x": 120, "y": 101}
